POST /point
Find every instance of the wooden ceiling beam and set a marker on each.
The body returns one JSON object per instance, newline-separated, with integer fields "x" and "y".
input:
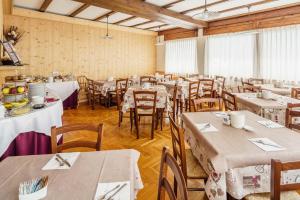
{"x": 105, "y": 15}
{"x": 146, "y": 10}
{"x": 172, "y": 4}
{"x": 125, "y": 20}
{"x": 45, "y": 5}
{"x": 140, "y": 24}
{"x": 79, "y": 10}
{"x": 202, "y": 7}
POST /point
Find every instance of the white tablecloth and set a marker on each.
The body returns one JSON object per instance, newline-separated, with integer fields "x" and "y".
{"x": 63, "y": 89}
{"x": 39, "y": 121}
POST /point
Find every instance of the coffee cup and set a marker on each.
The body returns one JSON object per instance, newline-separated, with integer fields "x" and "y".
{"x": 266, "y": 94}
{"x": 237, "y": 120}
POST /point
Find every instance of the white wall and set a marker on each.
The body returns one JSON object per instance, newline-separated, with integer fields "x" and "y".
{"x": 160, "y": 54}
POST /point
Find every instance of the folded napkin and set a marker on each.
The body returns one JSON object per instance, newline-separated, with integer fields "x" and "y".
{"x": 270, "y": 124}
{"x": 55, "y": 162}
{"x": 266, "y": 144}
{"x": 114, "y": 190}
{"x": 206, "y": 127}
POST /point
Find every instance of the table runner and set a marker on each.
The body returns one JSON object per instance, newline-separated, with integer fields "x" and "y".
{"x": 39, "y": 121}
{"x": 79, "y": 182}
{"x": 233, "y": 163}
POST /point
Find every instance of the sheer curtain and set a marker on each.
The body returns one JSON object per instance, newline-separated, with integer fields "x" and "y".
{"x": 280, "y": 53}
{"x": 231, "y": 55}
{"x": 181, "y": 56}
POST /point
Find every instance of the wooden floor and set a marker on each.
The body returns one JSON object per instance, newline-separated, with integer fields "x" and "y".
{"x": 123, "y": 138}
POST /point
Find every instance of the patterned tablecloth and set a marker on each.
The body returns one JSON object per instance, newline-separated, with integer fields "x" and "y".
{"x": 234, "y": 164}
{"x": 273, "y": 109}
{"x": 162, "y": 96}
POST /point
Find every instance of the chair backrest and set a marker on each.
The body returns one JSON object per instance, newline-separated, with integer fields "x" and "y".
{"x": 229, "y": 101}
{"x": 222, "y": 80}
{"x": 295, "y": 93}
{"x": 292, "y": 111}
{"x": 82, "y": 81}
{"x": 164, "y": 185}
{"x": 74, "y": 128}
{"x": 184, "y": 78}
{"x": 277, "y": 167}
{"x": 207, "y": 87}
{"x": 178, "y": 145}
{"x": 90, "y": 84}
{"x": 168, "y": 77}
{"x": 120, "y": 98}
{"x": 122, "y": 84}
{"x": 256, "y": 80}
{"x": 208, "y": 104}
{"x": 193, "y": 89}
{"x": 249, "y": 87}
{"x": 145, "y": 100}
{"x": 174, "y": 100}
{"x": 147, "y": 79}
{"x": 193, "y": 75}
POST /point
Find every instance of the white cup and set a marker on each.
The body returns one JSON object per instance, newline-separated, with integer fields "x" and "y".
{"x": 37, "y": 100}
{"x": 266, "y": 94}
{"x": 237, "y": 120}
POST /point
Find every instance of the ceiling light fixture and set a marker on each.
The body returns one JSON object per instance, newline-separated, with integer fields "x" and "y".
{"x": 107, "y": 36}
{"x": 158, "y": 43}
{"x": 206, "y": 14}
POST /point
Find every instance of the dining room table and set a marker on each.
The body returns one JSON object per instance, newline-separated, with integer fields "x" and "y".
{"x": 30, "y": 133}
{"x": 237, "y": 161}
{"x": 285, "y": 90}
{"x": 90, "y": 175}
{"x": 273, "y": 108}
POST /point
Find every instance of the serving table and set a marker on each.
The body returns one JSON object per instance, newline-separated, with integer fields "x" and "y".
{"x": 67, "y": 91}
{"x": 273, "y": 108}
{"x": 234, "y": 164}
{"x": 78, "y": 182}
{"x": 30, "y": 133}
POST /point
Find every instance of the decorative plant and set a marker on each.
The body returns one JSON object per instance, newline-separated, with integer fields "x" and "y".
{"x": 13, "y": 35}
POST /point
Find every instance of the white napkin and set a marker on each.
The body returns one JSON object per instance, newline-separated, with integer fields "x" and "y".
{"x": 103, "y": 188}
{"x": 266, "y": 144}
{"x": 206, "y": 127}
{"x": 270, "y": 124}
{"x": 54, "y": 164}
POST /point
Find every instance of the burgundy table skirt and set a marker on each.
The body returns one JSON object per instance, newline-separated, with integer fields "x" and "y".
{"x": 71, "y": 101}
{"x": 29, "y": 143}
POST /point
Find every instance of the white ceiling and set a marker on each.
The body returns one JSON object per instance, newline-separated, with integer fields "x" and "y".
{"x": 66, "y": 7}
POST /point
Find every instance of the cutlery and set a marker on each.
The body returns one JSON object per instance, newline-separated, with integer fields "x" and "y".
{"x": 63, "y": 160}
{"x": 60, "y": 163}
{"x": 109, "y": 191}
{"x": 116, "y": 192}
{"x": 272, "y": 145}
{"x": 205, "y": 126}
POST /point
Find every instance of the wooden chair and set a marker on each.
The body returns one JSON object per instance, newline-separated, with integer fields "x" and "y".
{"x": 120, "y": 102}
{"x": 122, "y": 85}
{"x": 222, "y": 79}
{"x": 256, "y": 80}
{"x": 147, "y": 79}
{"x": 208, "y": 104}
{"x": 82, "y": 81}
{"x": 145, "y": 105}
{"x": 193, "y": 75}
{"x": 93, "y": 92}
{"x": 190, "y": 167}
{"x": 295, "y": 93}
{"x": 164, "y": 185}
{"x": 290, "y": 114}
{"x": 74, "y": 144}
{"x": 229, "y": 101}
{"x": 249, "y": 87}
{"x": 168, "y": 77}
{"x": 279, "y": 191}
{"x": 193, "y": 94}
{"x": 208, "y": 87}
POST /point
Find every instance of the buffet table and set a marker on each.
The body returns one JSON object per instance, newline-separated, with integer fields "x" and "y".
{"x": 67, "y": 91}
{"x": 29, "y": 134}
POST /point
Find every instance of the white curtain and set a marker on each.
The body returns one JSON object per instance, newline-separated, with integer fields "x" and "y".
{"x": 181, "y": 56}
{"x": 280, "y": 53}
{"x": 231, "y": 55}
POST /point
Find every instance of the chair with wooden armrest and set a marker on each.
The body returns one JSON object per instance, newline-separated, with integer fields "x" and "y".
{"x": 74, "y": 129}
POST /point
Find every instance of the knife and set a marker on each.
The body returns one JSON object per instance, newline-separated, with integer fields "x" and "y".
{"x": 63, "y": 160}
{"x": 116, "y": 192}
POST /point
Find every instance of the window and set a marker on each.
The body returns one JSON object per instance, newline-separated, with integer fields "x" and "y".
{"x": 181, "y": 56}
{"x": 231, "y": 55}
{"x": 280, "y": 53}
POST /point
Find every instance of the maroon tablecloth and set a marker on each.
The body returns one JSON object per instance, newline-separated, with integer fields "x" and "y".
{"x": 71, "y": 101}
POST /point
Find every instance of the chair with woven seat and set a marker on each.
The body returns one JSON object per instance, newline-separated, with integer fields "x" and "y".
{"x": 193, "y": 94}
{"x": 207, "y": 87}
{"x": 208, "y": 104}
{"x": 229, "y": 101}
{"x": 164, "y": 185}
{"x": 74, "y": 129}
{"x": 292, "y": 111}
{"x": 191, "y": 168}
{"x": 279, "y": 191}
{"x": 145, "y": 105}
{"x": 295, "y": 93}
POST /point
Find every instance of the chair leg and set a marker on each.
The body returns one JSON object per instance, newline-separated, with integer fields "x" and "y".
{"x": 93, "y": 103}
{"x": 161, "y": 119}
{"x": 181, "y": 107}
{"x": 131, "y": 120}
{"x": 136, "y": 125}
{"x": 157, "y": 119}
{"x": 120, "y": 117}
{"x": 152, "y": 127}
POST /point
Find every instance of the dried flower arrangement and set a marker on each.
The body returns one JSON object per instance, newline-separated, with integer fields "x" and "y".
{"x": 13, "y": 35}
